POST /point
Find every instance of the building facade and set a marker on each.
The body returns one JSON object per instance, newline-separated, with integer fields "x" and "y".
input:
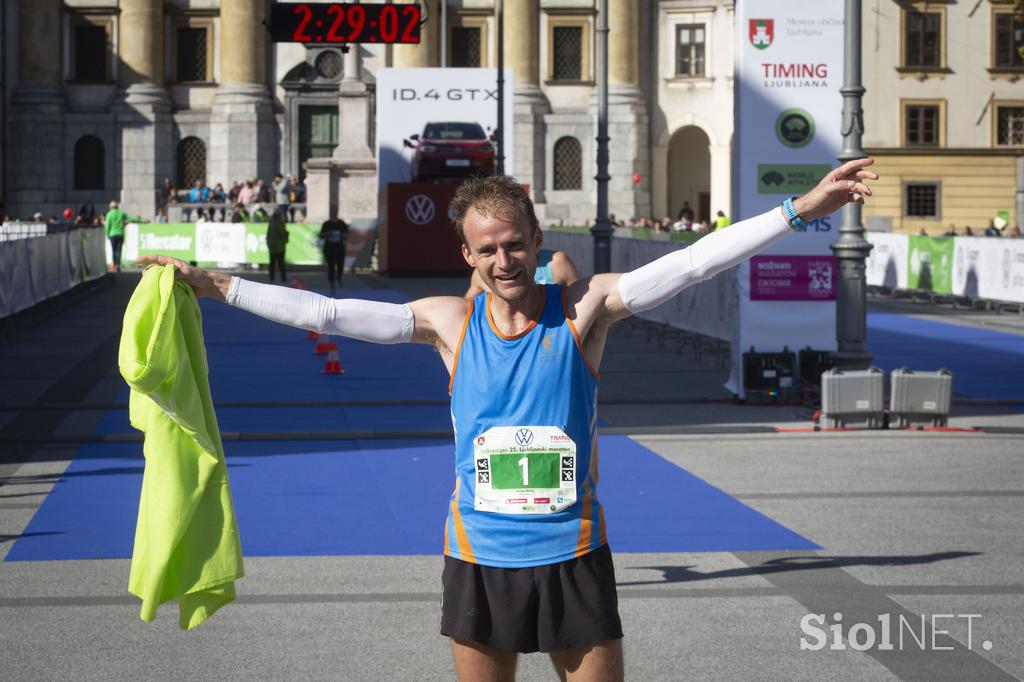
{"x": 106, "y": 98}
{"x": 103, "y": 99}
{"x": 944, "y": 113}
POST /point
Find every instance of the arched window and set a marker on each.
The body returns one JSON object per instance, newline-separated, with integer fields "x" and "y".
{"x": 89, "y": 163}
{"x": 191, "y": 162}
{"x": 568, "y": 164}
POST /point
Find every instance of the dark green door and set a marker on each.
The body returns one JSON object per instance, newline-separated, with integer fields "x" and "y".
{"x": 318, "y": 133}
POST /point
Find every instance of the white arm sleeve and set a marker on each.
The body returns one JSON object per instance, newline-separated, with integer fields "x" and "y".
{"x": 653, "y": 284}
{"x": 364, "y": 320}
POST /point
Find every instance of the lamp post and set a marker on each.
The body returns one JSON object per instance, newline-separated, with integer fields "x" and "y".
{"x": 602, "y": 229}
{"x": 500, "y": 160}
{"x": 851, "y": 249}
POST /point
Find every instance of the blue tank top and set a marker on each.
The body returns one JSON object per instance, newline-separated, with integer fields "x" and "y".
{"x": 543, "y": 274}
{"x": 536, "y": 379}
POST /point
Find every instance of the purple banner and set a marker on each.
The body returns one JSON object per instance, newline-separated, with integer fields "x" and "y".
{"x": 793, "y": 278}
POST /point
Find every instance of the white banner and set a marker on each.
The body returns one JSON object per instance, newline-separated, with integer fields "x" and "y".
{"x": 220, "y": 242}
{"x": 788, "y": 71}
{"x": 887, "y": 262}
{"x": 985, "y": 267}
{"x": 408, "y": 99}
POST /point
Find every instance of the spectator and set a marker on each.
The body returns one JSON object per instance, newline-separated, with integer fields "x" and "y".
{"x": 968, "y": 232}
{"x": 722, "y": 221}
{"x": 87, "y": 213}
{"x": 282, "y": 195}
{"x": 686, "y": 213}
{"x": 161, "y": 216}
{"x": 168, "y": 195}
{"x": 705, "y": 226}
{"x": 277, "y": 241}
{"x": 992, "y": 230}
{"x": 200, "y": 194}
{"x": 240, "y": 215}
{"x": 298, "y": 190}
{"x": 950, "y": 231}
{"x": 247, "y": 195}
{"x": 921, "y": 233}
{"x": 53, "y": 220}
{"x": 114, "y": 223}
{"x": 1015, "y": 232}
{"x": 262, "y": 193}
{"x": 333, "y": 234}
{"x": 217, "y": 194}
{"x": 260, "y": 215}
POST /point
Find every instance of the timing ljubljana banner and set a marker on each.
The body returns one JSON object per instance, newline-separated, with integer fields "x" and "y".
{"x": 788, "y": 111}
{"x": 409, "y": 99}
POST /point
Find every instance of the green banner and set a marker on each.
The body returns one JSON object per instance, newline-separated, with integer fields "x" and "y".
{"x": 179, "y": 241}
{"x": 302, "y": 246}
{"x": 791, "y": 179}
{"x": 930, "y": 264}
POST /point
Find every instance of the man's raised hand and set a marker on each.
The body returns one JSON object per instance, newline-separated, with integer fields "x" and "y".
{"x": 838, "y": 188}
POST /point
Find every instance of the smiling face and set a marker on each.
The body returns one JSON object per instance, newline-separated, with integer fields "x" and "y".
{"x": 503, "y": 252}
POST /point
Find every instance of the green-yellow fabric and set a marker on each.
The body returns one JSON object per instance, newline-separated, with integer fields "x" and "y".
{"x": 186, "y": 538}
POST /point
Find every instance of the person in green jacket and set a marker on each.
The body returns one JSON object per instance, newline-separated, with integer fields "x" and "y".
{"x": 722, "y": 221}
{"x": 277, "y": 241}
{"x": 113, "y": 224}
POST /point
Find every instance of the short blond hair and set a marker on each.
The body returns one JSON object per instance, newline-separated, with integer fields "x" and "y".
{"x": 495, "y": 195}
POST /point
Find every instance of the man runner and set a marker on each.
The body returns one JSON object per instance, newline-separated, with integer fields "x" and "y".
{"x": 527, "y": 566}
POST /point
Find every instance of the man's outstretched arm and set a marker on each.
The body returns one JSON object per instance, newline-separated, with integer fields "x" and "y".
{"x": 422, "y": 321}
{"x": 613, "y": 296}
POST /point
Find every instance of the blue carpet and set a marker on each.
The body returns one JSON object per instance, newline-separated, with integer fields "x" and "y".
{"x": 985, "y": 364}
{"x": 296, "y": 498}
{"x": 324, "y": 499}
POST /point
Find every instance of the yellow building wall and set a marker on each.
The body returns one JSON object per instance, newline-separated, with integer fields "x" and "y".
{"x": 973, "y": 189}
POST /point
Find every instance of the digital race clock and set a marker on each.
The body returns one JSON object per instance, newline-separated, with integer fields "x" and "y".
{"x": 310, "y": 22}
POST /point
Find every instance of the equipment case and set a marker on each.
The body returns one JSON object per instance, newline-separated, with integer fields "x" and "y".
{"x": 853, "y": 399}
{"x": 920, "y": 398}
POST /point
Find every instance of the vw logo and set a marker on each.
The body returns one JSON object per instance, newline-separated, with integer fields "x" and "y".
{"x": 524, "y": 437}
{"x": 420, "y": 209}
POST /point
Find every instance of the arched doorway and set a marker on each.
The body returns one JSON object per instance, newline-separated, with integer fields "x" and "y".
{"x": 689, "y": 172}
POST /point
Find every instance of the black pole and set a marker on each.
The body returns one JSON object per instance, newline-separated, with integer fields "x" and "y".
{"x": 501, "y": 89}
{"x": 851, "y": 249}
{"x": 602, "y": 230}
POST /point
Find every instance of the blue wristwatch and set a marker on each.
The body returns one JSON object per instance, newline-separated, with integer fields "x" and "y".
{"x": 798, "y": 223}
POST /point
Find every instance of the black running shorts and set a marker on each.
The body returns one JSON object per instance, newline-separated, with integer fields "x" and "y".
{"x": 556, "y": 607}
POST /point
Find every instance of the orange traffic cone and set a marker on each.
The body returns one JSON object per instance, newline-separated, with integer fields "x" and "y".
{"x": 333, "y": 364}
{"x": 312, "y": 336}
{"x": 324, "y": 345}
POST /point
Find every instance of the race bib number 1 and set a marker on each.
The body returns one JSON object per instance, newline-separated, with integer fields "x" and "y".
{"x": 524, "y": 470}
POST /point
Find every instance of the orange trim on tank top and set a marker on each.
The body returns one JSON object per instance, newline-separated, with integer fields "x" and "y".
{"x": 458, "y": 347}
{"x": 465, "y": 551}
{"x": 529, "y": 328}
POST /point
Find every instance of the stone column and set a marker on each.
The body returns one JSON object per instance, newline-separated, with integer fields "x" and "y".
{"x": 424, "y": 54}
{"x": 529, "y": 106}
{"x": 355, "y": 166}
{"x": 242, "y": 128}
{"x": 38, "y": 151}
{"x": 142, "y": 106}
{"x": 627, "y": 115}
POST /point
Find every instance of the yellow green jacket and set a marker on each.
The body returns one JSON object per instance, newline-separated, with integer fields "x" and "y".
{"x": 186, "y": 538}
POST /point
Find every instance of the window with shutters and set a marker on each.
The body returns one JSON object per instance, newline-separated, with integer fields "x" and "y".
{"x": 467, "y": 38}
{"x": 89, "y": 163}
{"x": 1009, "y": 124}
{"x": 568, "y": 164}
{"x": 923, "y": 123}
{"x": 1008, "y": 41}
{"x": 90, "y": 47}
{"x": 922, "y": 39}
{"x": 191, "y": 162}
{"x": 690, "y": 50}
{"x": 568, "y": 48}
{"x": 192, "y": 38}
{"x": 465, "y": 46}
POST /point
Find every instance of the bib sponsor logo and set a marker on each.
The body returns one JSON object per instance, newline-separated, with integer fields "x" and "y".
{"x": 524, "y": 437}
{"x": 420, "y": 209}
{"x": 761, "y": 33}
